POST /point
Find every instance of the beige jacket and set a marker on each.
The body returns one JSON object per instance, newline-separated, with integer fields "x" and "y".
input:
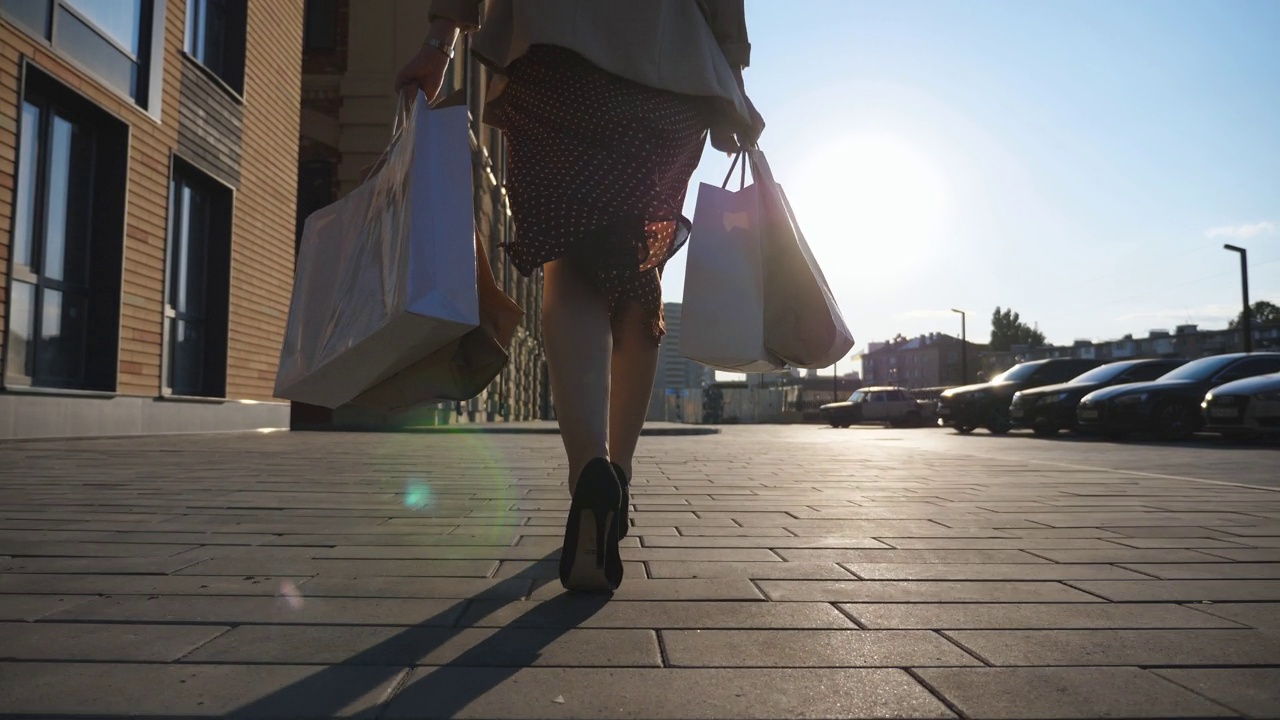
{"x": 685, "y": 46}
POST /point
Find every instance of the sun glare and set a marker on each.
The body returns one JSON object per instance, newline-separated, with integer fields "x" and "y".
{"x": 868, "y": 200}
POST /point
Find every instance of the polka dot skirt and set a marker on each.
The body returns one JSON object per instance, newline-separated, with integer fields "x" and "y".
{"x": 597, "y": 171}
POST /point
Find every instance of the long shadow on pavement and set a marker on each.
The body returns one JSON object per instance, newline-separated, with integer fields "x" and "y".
{"x": 330, "y": 691}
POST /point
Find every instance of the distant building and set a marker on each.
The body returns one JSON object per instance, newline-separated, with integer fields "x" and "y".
{"x": 675, "y": 372}
{"x": 927, "y": 361}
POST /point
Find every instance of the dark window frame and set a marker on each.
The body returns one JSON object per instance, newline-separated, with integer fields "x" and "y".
{"x": 320, "y": 26}
{"x": 104, "y": 235}
{"x": 40, "y": 19}
{"x": 214, "y": 318}
{"x": 232, "y": 47}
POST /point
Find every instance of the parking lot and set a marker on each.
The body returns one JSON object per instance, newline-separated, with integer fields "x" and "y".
{"x": 1205, "y": 457}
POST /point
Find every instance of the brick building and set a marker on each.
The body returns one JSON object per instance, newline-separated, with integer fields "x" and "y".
{"x": 927, "y": 361}
{"x": 351, "y": 53}
{"x": 148, "y": 161}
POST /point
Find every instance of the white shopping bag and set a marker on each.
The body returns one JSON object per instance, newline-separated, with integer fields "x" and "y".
{"x": 722, "y": 322}
{"x": 387, "y": 275}
{"x": 803, "y": 324}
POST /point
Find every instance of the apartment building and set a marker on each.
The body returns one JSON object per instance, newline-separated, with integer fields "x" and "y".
{"x": 148, "y": 165}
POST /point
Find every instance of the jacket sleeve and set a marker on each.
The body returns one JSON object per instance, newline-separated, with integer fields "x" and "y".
{"x": 466, "y": 13}
{"x": 728, "y": 20}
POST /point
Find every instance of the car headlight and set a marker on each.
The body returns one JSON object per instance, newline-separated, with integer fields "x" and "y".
{"x": 1268, "y": 396}
{"x": 1132, "y": 399}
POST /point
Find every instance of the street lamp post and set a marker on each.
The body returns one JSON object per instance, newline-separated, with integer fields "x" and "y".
{"x": 1244, "y": 287}
{"x": 964, "y": 348}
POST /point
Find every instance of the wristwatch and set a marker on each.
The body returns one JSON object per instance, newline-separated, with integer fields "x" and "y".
{"x": 442, "y": 46}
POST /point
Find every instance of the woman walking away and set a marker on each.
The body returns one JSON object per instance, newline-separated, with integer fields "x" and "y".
{"x": 605, "y": 107}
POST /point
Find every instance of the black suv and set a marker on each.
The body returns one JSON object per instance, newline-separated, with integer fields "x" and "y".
{"x": 987, "y": 405}
{"x": 1051, "y": 408}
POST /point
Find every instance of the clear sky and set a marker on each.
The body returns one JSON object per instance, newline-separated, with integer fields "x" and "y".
{"x": 1080, "y": 161}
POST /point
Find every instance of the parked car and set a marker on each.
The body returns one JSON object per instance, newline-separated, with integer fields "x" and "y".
{"x": 1244, "y": 407}
{"x": 1048, "y": 409}
{"x": 890, "y": 405}
{"x": 1169, "y": 407}
{"x": 987, "y": 405}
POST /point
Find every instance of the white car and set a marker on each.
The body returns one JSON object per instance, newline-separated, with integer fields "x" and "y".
{"x": 1244, "y": 407}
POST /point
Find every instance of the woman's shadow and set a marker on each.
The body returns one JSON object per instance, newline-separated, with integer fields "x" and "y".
{"x": 340, "y": 689}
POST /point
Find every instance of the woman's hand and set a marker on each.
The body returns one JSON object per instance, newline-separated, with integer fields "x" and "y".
{"x": 426, "y": 70}
{"x": 733, "y": 139}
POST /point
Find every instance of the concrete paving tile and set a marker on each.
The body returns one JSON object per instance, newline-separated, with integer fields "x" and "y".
{"x": 886, "y": 529}
{"x": 1176, "y": 531}
{"x": 300, "y": 610}
{"x": 997, "y": 543}
{"x": 686, "y": 589}
{"x": 1127, "y": 556}
{"x": 1258, "y": 555}
{"x": 343, "y": 568}
{"x": 1255, "y": 615}
{"x": 143, "y": 584}
{"x": 550, "y": 570}
{"x": 1064, "y": 533}
{"x": 735, "y": 531}
{"x": 432, "y": 552}
{"x": 1181, "y": 590}
{"x": 750, "y": 570}
{"x": 1188, "y": 543}
{"x": 403, "y": 646}
{"x": 252, "y": 692}
{"x": 661, "y": 694}
{"x": 699, "y": 555}
{"x": 1251, "y": 691}
{"x": 1122, "y": 647}
{"x": 1019, "y": 616}
{"x": 992, "y": 571}
{"x": 910, "y": 556}
{"x": 26, "y": 608}
{"x": 98, "y": 565}
{"x": 811, "y": 648}
{"x": 90, "y": 550}
{"x": 919, "y": 591}
{"x": 112, "y": 642}
{"x": 1203, "y": 571}
{"x": 1066, "y": 693}
{"x": 418, "y": 587}
{"x": 568, "y": 610}
{"x": 761, "y": 542}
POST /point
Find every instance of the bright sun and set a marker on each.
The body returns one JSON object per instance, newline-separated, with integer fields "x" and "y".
{"x": 868, "y": 200}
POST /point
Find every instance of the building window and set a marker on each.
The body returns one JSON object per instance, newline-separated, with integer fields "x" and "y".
{"x": 118, "y": 41}
{"x": 197, "y": 284}
{"x": 216, "y": 38}
{"x": 320, "y": 28}
{"x": 67, "y": 231}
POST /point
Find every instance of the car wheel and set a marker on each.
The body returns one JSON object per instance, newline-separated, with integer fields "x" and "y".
{"x": 834, "y": 424}
{"x": 1175, "y": 421}
{"x": 998, "y": 423}
{"x": 913, "y": 420}
{"x": 965, "y": 429}
{"x": 1044, "y": 430}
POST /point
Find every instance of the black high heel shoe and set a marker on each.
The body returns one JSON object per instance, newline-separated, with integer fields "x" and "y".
{"x": 589, "y": 560}
{"x": 624, "y": 519}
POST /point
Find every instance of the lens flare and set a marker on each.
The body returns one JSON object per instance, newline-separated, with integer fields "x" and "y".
{"x": 289, "y": 595}
{"x": 417, "y": 494}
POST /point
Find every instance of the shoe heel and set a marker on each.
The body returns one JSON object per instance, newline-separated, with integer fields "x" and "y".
{"x": 589, "y": 560}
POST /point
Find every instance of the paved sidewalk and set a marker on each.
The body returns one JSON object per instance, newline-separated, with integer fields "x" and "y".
{"x": 772, "y": 573}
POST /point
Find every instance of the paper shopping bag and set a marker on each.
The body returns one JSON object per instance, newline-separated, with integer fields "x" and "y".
{"x": 722, "y": 322}
{"x": 803, "y": 324}
{"x": 386, "y": 275}
{"x": 463, "y": 368}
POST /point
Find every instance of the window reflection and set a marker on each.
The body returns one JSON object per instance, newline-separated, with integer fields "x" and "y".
{"x": 118, "y": 19}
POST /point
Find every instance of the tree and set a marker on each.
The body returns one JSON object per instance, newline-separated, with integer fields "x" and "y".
{"x": 1263, "y": 312}
{"x": 1007, "y": 330}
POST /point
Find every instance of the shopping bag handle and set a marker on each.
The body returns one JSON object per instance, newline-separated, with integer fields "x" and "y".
{"x": 742, "y": 181}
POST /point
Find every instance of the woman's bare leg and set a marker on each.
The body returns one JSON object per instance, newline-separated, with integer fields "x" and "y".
{"x": 632, "y": 371}
{"x": 578, "y": 337}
